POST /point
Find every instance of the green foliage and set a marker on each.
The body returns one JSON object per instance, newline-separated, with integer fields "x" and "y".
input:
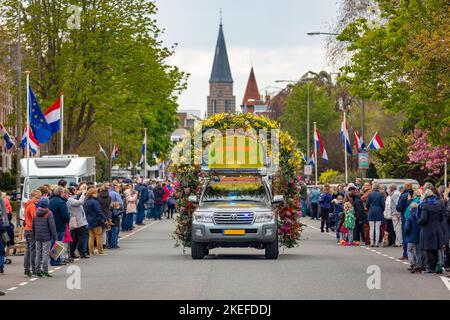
{"x": 393, "y": 161}
{"x": 404, "y": 63}
{"x": 322, "y": 111}
{"x": 331, "y": 176}
{"x": 113, "y": 71}
{"x": 8, "y": 181}
{"x": 372, "y": 171}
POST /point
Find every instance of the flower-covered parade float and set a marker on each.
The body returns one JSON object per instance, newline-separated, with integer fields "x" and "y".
{"x": 216, "y": 165}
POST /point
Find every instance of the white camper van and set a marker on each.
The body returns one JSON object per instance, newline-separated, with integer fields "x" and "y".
{"x": 51, "y": 169}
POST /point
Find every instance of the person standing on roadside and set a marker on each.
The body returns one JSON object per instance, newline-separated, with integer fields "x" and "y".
{"x": 376, "y": 206}
{"x": 150, "y": 202}
{"x": 142, "y": 203}
{"x": 95, "y": 219}
{"x": 159, "y": 194}
{"x": 365, "y": 191}
{"x": 30, "y": 246}
{"x": 396, "y": 216}
{"x": 403, "y": 204}
{"x": 131, "y": 199}
{"x": 44, "y": 231}
{"x": 79, "y": 232}
{"x": 360, "y": 214}
{"x": 314, "y": 200}
{"x": 3, "y": 224}
{"x": 58, "y": 206}
{"x": 325, "y": 208}
{"x": 105, "y": 203}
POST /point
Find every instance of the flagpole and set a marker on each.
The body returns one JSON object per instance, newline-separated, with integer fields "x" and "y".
{"x": 62, "y": 124}
{"x": 345, "y": 147}
{"x": 145, "y": 154}
{"x": 315, "y": 154}
{"x": 28, "y": 132}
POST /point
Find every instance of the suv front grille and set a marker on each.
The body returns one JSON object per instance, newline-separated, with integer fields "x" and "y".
{"x": 231, "y": 218}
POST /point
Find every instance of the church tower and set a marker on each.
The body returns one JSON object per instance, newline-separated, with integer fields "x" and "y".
{"x": 221, "y": 98}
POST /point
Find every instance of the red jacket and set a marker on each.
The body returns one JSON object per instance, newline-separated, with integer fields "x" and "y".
{"x": 166, "y": 194}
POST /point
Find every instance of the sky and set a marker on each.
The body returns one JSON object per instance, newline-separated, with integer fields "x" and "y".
{"x": 269, "y": 35}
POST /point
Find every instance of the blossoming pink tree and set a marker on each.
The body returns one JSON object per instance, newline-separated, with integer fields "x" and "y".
{"x": 421, "y": 151}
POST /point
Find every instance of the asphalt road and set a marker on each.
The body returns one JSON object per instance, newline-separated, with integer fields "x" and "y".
{"x": 149, "y": 267}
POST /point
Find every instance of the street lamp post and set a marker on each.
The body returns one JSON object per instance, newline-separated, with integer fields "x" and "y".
{"x": 19, "y": 102}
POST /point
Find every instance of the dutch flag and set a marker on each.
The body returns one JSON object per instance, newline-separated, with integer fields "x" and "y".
{"x": 143, "y": 148}
{"x": 376, "y": 143}
{"x": 53, "y": 116}
{"x": 360, "y": 145}
{"x": 34, "y": 144}
{"x": 320, "y": 145}
{"x": 9, "y": 142}
{"x": 311, "y": 159}
{"x": 345, "y": 138}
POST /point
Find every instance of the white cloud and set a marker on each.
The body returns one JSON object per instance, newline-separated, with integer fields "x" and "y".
{"x": 284, "y": 63}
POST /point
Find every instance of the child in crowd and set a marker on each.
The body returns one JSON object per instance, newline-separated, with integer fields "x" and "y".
{"x": 44, "y": 231}
{"x": 337, "y": 215}
{"x": 349, "y": 221}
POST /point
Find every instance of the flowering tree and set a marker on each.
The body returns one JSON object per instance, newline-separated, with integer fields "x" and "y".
{"x": 421, "y": 151}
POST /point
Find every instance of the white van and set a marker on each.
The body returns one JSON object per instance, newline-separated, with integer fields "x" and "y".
{"x": 51, "y": 169}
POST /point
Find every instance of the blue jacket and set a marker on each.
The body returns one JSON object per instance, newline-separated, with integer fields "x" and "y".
{"x": 94, "y": 213}
{"x": 115, "y": 197}
{"x": 58, "y": 206}
{"x": 143, "y": 195}
{"x": 314, "y": 196}
{"x": 412, "y": 230}
{"x": 338, "y": 209}
{"x": 375, "y": 205}
{"x": 403, "y": 202}
{"x": 325, "y": 200}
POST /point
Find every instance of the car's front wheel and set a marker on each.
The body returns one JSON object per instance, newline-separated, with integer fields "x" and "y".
{"x": 198, "y": 250}
{"x": 271, "y": 250}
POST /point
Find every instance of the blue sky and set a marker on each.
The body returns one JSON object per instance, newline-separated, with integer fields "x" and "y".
{"x": 271, "y": 35}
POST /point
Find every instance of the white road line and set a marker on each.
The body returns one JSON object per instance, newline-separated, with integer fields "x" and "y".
{"x": 392, "y": 258}
{"x": 23, "y": 283}
{"x": 51, "y": 271}
{"x": 12, "y": 289}
{"x": 406, "y": 263}
{"x": 385, "y": 255}
{"x": 446, "y": 282}
{"x": 57, "y": 268}
{"x": 34, "y": 279}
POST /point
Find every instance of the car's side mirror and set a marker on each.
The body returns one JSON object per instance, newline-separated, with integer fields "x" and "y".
{"x": 193, "y": 199}
{"x": 278, "y": 199}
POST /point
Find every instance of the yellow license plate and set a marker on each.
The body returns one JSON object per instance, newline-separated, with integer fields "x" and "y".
{"x": 234, "y": 232}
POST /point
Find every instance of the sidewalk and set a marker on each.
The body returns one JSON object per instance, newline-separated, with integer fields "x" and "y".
{"x": 14, "y": 273}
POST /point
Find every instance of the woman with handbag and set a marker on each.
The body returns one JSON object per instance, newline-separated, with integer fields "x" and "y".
{"x": 78, "y": 223}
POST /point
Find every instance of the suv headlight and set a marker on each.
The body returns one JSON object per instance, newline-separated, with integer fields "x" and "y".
{"x": 264, "y": 217}
{"x": 203, "y": 217}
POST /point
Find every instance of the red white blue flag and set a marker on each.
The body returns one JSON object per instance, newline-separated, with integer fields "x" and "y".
{"x": 345, "y": 138}
{"x": 360, "y": 145}
{"x": 53, "y": 116}
{"x": 320, "y": 145}
{"x": 376, "y": 143}
{"x": 10, "y": 143}
{"x": 34, "y": 144}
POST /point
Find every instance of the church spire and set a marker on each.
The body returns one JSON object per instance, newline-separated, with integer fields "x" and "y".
{"x": 221, "y": 71}
{"x": 251, "y": 96}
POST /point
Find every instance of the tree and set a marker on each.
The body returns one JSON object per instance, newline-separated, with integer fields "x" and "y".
{"x": 322, "y": 111}
{"x": 112, "y": 69}
{"x": 405, "y": 62}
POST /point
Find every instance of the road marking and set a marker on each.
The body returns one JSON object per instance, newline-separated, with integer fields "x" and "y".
{"x": 23, "y": 283}
{"x": 34, "y": 279}
{"x": 446, "y": 282}
{"x": 385, "y": 255}
{"x": 392, "y": 258}
{"x": 51, "y": 271}
{"x": 406, "y": 263}
{"x": 58, "y": 268}
{"x": 12, "y": 289}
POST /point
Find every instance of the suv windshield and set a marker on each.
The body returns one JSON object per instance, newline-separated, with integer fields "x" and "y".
{"x": 235, "y": 189}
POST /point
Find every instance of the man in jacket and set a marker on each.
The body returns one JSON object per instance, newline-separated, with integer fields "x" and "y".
{"x": 159, "y": 194}
{"x": 58, "y": 206}
{"x": 360, "y": 214}
{"x": 402, "y": 205}
{"x": 30, "y": 248}
{"x": 150, "y": 202}
{"x": 142, "y": 203}
{"x": 376, "y": 206}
